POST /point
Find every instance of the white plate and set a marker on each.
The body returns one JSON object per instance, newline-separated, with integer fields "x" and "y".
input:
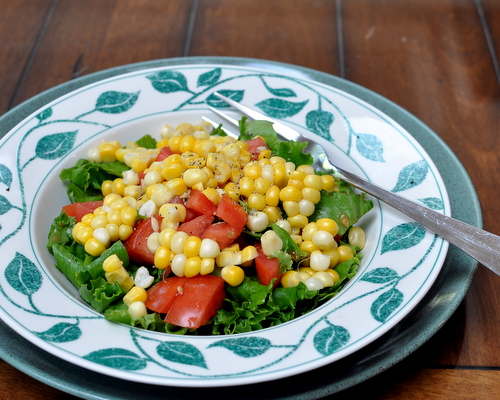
{"x": 401, "y": 259}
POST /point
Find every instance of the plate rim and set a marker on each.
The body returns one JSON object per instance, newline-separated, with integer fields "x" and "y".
{"x": 317, "y": 76}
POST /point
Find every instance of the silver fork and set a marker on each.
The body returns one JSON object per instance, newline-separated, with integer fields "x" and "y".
{"x": 481, "y": 245}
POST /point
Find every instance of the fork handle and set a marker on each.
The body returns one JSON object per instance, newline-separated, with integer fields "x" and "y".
{"x": 481, "y": 245}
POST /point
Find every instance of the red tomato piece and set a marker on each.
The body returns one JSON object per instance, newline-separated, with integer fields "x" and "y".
{"x": 137, "y": 243}
{"x": 202, "y": 296}
{"x": 223, "y": 233}
{"x": 164, "y": 153}
{"x": 187, "y": 302}
{"x": 197, "y": 225}
{"x": 162, "y": 295}
{"x": 267, "y": 268}
{"x": 232, "y": 213}
{"x": 79, "y": 209}
{"x": 255, "y": 146}
{"x": 200, "y": 203}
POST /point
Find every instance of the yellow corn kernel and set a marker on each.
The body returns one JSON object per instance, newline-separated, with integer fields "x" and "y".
{"x": 248, "y": 254}
{"x": 247, "y": 186}
{"x": 291, "y": 208}
{"x": 120, "y": 276}
{"x": 328, "y": 225}
{"x": 329, "y": 183}
{"x": 82, "y": 234}
{"x": 356, "y": 237}
{"x": 280, "y": 174}
{"x": 313, "y": 181}
{"x": 118, "y": 186}
{"x": 290, "y": 193}
{"x": 137, "y": 309}
{"x": 165, "y": 237}
{"x": 192, "y": 246}
{"x": 177, "y": 186}
{"x": 185, "y": 128}
{"x": 118, "y": 204}
{"x": 99, "y": 211}
{"x": 172, "y": 171}
{"x": 334, "y": 256}
{"x": 106, "y": 187}
{"x": 310, "y": 194}
{"x": 257, "y": 201}
{"x": 193, "y": 160}
{"x": 187, "y": 143}
{"x": 195, "y": 176}
{"x": 87, "y": 218}
{"x": 94, "y": 247}
{"x": 232, "y": 275}
{"x": 298, "y": 221}
{"x": 252, "y": 170}
{"x": 163, "y": 256}
{"x": 232, "y": 190}
{"x": 140, "y": 163}
{"x": 265, "y": 154}
{"x": 107, "y": 151}
{"x": 335, "y": 275}
{"x": 113, "y": 230}
{"x": 309, "y": 230}
{"x": 128, "y": 216}
{"x": 192, "y": 267}
{"x": 174, "y": 143}
{"x": 207, "y": 266}
{"x": 112, "y": 263}
{"x": 290, "y": 279}
{"x": 262, "y": 185}
{"x": 120, "y": 154}
{"x": 124, "y": 231}
{"x": 213, "y": 195}
{"x": 272, "y": 196}
{"x": 308, "y": 246}
{"x": 137, "y": 293}
{"x": 205, "y": 147}
{"x": 134, "y": 191}
{"x": 345, "y": 253}
{"x": 222, "y": 173}
{"x": 99, "y": 221}
{"x": 273, "y": 213}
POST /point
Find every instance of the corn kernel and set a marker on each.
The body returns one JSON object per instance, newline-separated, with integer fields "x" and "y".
{"x": 135, "y": 294}
{"x": 233, "y": 275}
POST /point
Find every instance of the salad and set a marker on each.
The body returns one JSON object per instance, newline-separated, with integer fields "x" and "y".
{"x": 200, "y": 233}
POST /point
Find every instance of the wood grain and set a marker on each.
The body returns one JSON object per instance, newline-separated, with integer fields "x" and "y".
{"x": 85, "y": 37}
{"x": 15, "y": 52}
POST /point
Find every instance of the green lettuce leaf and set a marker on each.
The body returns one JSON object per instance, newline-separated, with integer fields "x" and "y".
{"x": 346, "y": 207}
{"x": 289, "y": 150}
{"x": 147, "y": 141}
{"x": 85, "y": 179}
{"x": 99, "y": 293}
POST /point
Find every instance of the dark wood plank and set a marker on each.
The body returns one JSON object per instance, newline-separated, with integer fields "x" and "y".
{"x": 93, "y": 35}
{"x": 491, "y": 9}
{"x": 21, "y": 386}
{"x": 15, "y": 52}
{"x": 432, "y": 58}
{"x": 293, "y": 31}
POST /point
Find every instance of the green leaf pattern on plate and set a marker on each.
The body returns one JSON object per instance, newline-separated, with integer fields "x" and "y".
{"x": 111, "y": 108}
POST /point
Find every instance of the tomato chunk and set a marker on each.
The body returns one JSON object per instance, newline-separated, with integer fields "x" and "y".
{"x": 164, "y": 153}
{"x": 79, "y": 209}
{"x": 162, "y": 295}
{"x": 232, "y": 213}
{"x": 137, "y": 243}
{"x": 200, "y": 203}
{"x": 197, "y": 225}
{"x": 187, "y": 302}
{"x": 267, "y": 268}
{"x": 223, "y": 233}
{"x": 255, "y": 146}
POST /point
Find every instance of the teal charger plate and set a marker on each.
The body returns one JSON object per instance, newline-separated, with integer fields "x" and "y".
{"x": 412, "y": 332}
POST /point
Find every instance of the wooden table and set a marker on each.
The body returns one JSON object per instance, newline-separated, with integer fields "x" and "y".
{"x": 438, "y": 59}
